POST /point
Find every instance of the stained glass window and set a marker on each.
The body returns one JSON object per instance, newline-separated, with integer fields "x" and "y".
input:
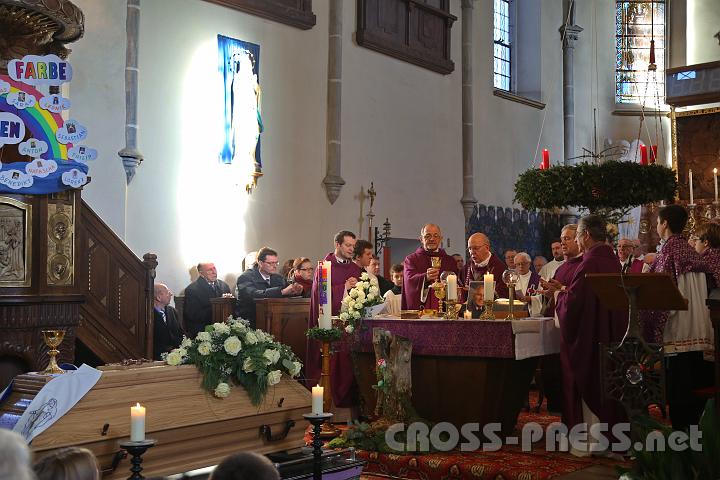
{"x": 502, "y": 46}
{"x": 636, "y": 23}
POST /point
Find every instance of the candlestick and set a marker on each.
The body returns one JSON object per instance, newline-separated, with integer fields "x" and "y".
{"x": 643, "y": 155}
{"x": 692, "y": 195}
{"x": 325, "y": 320}
{"x": 489, "y": 286}
{"x": 452, "y": 287}
{"x": 317, "y": 400}
{"x": 715, "y": 182}
{"x": 653, "y": 158}
{"x": 137, "y": 423}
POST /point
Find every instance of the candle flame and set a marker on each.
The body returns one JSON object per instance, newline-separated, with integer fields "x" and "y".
{"x": 137, "y": 405}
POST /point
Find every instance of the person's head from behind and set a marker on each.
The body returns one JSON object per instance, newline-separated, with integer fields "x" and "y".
{"x": 396, "y": 274}
{"x": 71, "y": 463}
{"x": 591, "y": 230}
{"x": 14, "y": 457}
{"x": 671, "y": 220}
{"x": 245, "y": 466}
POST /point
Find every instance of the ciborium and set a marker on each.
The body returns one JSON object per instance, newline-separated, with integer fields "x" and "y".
{"x": 53, "y": 339}
{"x": 511, "y": 278}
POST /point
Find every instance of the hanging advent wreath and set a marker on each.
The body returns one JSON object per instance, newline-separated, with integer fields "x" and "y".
{"x": 610, "y": 189}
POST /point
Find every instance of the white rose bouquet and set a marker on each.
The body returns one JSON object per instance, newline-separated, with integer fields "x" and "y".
{"x": 365, "y": 294}
{"x": 234, "y": 352}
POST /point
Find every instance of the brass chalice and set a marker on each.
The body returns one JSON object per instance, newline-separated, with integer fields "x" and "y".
{"x": 438, "y": 286}
{"x": 53, "y": 339}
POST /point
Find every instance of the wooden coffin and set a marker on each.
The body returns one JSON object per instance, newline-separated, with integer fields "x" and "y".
{"x": 193, "y": 429}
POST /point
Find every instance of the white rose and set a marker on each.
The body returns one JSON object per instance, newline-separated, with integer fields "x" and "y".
{"x": 353, "y": 293}
{"x": 222, "y": 390}
{"x": 203, "y": 337}
{"x": 186, "y": 342}
{"x": 173, "y": 358}
{"x": 247, "y": 366}
{"x": 295, "y": 370}
{"x": 273, "y": 377}
{"x": 344, "y": 316}
{"x": 181, "y": 351}
{"x": 204, "y": 348}
{"x": 271, "y": 356}
{"x": 356, "y": 315}
{"x": 364, "y": 276}
{"x": 221, "y": 328}
{"x": 351, "y": 304}
{"x": 370, "y": 296}
{"x": 374, "y": 290}
{"x": 349, "y": 329}
{"x": 232, "y": 345}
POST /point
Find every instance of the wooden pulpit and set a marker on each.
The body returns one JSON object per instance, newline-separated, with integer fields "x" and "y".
{"x": 222, "y": 308}
{"x": 286, "y": 319}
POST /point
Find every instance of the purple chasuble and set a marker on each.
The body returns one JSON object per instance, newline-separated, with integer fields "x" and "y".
{"x": 341, "y": 369}
{"x": 711, "y": 258}
{"x": 414, "y": 268}
{"x": 494, "y": 266}
{"x": 584, "y": 324}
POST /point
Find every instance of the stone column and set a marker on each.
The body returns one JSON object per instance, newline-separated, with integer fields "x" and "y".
{"x": 131, "y": 156}
{"x": 333, "y": 182}
{"x": 569, "y": 33}
{"x": 468, "y": 200}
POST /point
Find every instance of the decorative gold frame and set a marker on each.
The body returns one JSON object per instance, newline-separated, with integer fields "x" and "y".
{"x": 27, "y": 209}
{"x": 674, "y": 115}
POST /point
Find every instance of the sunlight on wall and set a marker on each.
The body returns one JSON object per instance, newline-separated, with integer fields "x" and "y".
{"x": 211, "y": 196}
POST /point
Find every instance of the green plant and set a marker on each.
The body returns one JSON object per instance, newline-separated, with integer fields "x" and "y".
{"x": 324, "y": 334}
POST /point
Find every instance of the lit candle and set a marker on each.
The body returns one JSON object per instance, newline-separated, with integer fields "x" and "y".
{"x": 545, "y": 159}
{"x": 715, "y": 181}
{"x": 317, "y": 400}
{"x": 325, "y": 320}
{"x": 452, "y": 287}
{"x": 467, "y": 315}
{"x": 643, "y": 155}
{"x": 489, "y": 286}
{"x": 692, "y": 196}
{"x": 137, "y": 423}
{"x": 653, "y": 158}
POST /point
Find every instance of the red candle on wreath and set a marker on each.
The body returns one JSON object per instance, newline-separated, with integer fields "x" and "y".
{"x": 643, "y": 155}
{"x": 545, "y": 164}
{"x": 653, "y": 157}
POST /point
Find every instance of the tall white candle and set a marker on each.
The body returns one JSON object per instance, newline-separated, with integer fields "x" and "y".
{"x": 137, "y": 423}
{"x": 692, "y": 196}
{"x": 715, "y": 181}
{"x": 325, "y": 320}
{"x": 317, "y": 400}
{"x": 489, "y": 286}
{"x": 452, "y": 287}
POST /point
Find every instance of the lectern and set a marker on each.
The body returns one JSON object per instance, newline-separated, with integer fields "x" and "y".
{"x": 632, "y": 371}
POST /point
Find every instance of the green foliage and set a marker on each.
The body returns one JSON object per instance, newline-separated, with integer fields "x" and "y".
{"x": 672, "y": 464}
{"x": 598, "y": 188}
{"x": 234, "y": 352}
{"x": 324, "y": 334}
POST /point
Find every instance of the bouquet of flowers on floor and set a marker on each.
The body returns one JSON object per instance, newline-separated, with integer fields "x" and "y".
{"x": 364, "y": 295}
{"x": 234, "y": 352}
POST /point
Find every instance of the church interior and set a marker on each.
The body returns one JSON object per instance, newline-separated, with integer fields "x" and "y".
{"x": 164, "y": 162}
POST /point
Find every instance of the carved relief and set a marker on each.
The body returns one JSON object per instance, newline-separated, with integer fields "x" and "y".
{"x": 60, "y": 243}
{"x": 696, "y": 147}
{"x": 15, "y": 243}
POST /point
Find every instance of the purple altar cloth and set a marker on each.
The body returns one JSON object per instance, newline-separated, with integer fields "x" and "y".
{"x": 462, "y": 338}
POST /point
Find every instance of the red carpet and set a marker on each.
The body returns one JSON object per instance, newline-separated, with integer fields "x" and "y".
{"x": 509, "y": 463}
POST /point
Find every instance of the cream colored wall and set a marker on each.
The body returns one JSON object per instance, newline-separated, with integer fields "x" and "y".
{"x": 401, "y": 128}
{"x": 703, "y": 22}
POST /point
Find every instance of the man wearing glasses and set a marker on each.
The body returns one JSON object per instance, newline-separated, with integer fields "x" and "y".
{"x": 262, "y": 281}
{"x": 629, "y": 262}
{"x": 418, "y": 272}
{"x": 483, "y": 261}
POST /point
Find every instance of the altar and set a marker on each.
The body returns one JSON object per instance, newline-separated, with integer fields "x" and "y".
{"x": 463, "y": 371}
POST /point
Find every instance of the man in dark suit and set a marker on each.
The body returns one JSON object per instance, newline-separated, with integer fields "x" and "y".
{"x": 262, "y": 281}
{"x": 197, "y": 310}
{"x": 167, "y": 333}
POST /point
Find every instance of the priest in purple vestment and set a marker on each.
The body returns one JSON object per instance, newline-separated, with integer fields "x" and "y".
{"x": 418, "y": 273}
{"x": 344, "y": 274}
{"x": 483, "y": 261}
{"x": 585, "y": 324}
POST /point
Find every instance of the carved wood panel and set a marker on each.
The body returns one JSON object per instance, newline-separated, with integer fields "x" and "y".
{"x": 296, "y": 13}
{"x": 696, "y": 147}
{"x": 416, "y": 31}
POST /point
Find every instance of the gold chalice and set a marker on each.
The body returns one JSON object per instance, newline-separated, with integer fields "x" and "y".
{"x": 438, "y": 286}
{"x": 53, "y": 339}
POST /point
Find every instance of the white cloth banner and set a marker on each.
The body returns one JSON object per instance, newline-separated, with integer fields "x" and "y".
{"x": 535, "y": 337}
{"x": 55, "y": 399}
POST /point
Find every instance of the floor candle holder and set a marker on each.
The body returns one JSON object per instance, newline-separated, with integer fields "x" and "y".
{"x": 137, "y": 450}
{"x": 317, "y": 420}
{"x": 328, "y": 430}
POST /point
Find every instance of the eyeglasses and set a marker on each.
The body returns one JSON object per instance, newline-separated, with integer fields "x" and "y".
{"x": 477, "y": 248}
{"x": 522, "y": 263}
{"x": 274, "y": 264}
{"x": 428, "y": 236}
{"x": 310, "y": 269}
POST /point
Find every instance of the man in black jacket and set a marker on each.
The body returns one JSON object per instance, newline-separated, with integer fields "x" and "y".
{"x": 167, "y": 333}
{"x": 197, "y": 310}
{"x": 262, "y": 281}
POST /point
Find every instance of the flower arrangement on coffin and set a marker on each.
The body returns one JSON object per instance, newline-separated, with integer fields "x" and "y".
{"x": 234, "y": 352}
{"x": 357, "y": 304}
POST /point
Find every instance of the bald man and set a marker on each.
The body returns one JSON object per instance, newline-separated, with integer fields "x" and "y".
{"x": 418, "y": 273}
{"x": 197, "y": 309}
{"x": 167, "y": 333}
{"x": 483, "y": 261}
